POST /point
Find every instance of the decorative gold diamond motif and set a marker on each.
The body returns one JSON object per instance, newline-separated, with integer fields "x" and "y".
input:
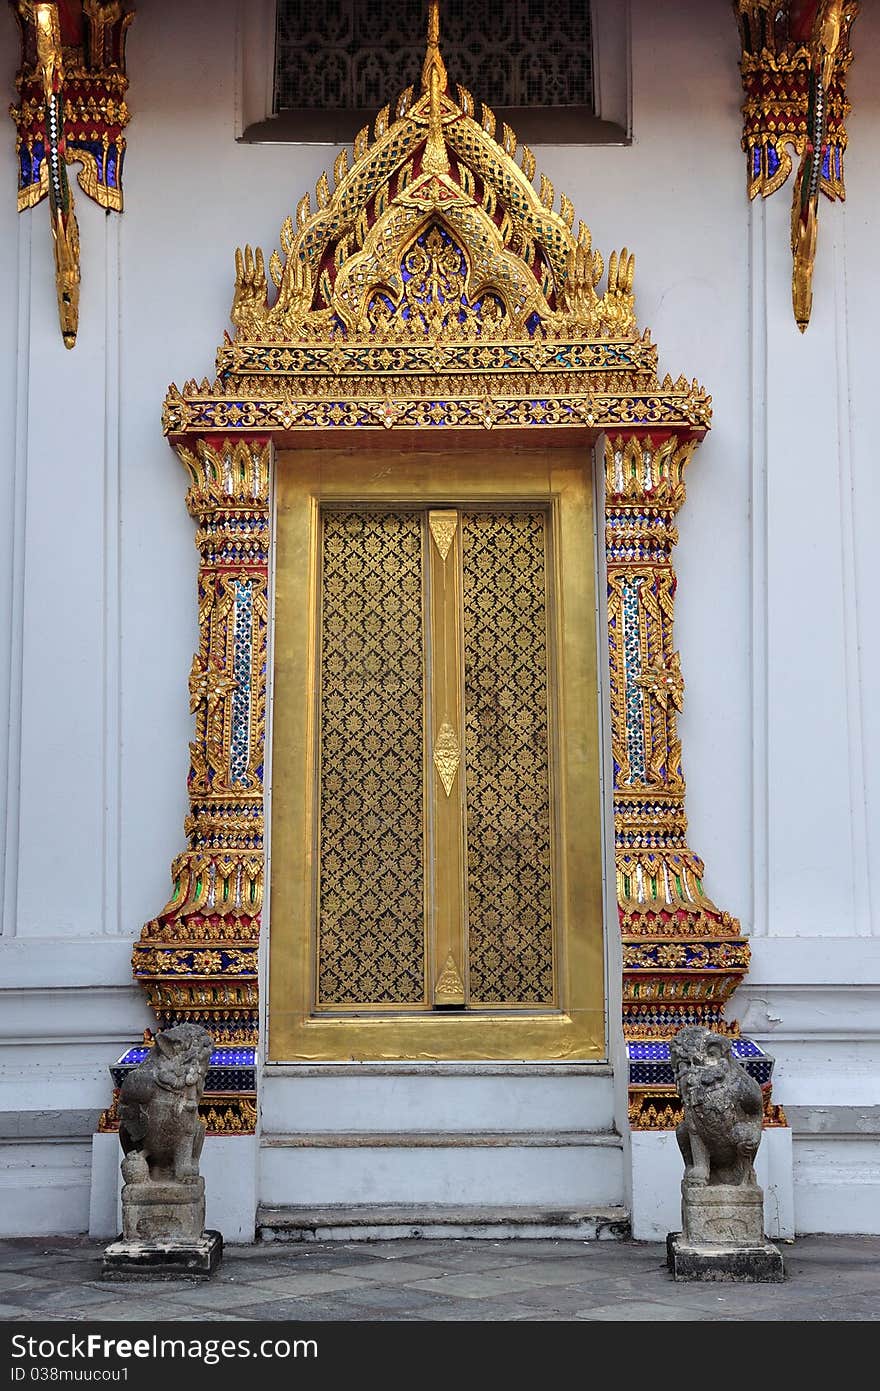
{"x": 447, "y": 755}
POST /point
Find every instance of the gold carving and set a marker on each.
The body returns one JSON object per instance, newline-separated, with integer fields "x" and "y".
{"x": 71, "y": 85}
{"x": 222, "y": 1114}
{"x": 93, "y": 94}
{"x": 447, "y": 755}
{"x": 449, "y": 989}
{"x": 795, "y": 62}
{"x": 776, "y": 63}
{"x": 665, "y": 682}
{"x": 682, "y": 956}
{"x": 65, "y": 232}
{"x": 522, "y": 271}
{"x": 829, "y": 37}
{"x": 443, "y": 528}
{"x": 197, "y": 959}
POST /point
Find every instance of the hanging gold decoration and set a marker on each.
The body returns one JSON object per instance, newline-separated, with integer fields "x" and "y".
{"x": 796, "y": 57}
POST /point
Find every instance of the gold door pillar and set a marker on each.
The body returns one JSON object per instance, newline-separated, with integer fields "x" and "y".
{"x": 197, "y": 960}
{"x": 682, "y": 956}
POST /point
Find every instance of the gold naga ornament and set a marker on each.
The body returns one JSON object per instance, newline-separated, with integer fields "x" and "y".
{"x": 435, "y": 291}
{"x": 796, "y": 56}
{"x": 71, "y": 108}
{"x": 831, "y": 24}
{"x": 65, "y": 230}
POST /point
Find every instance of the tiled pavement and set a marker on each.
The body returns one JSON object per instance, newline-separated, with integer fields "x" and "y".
{"x": 829, "y": 1279}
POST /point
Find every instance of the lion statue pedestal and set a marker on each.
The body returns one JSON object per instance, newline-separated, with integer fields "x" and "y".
{"x": 722, "y": 1206}
{"x": 163, "y": 1198}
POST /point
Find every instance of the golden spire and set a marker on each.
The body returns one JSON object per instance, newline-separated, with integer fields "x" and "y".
{"x": 433, "y": 61}
{"x": 434, "y": 80}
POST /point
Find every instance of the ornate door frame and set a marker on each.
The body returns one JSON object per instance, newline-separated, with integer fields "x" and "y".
{"x": 450, "y": 937}
{"x": 507, "y": 333}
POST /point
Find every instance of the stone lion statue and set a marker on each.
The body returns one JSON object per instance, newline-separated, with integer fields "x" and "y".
{"x": 723, "y": 1109}
{"x": 159, "y": 1125}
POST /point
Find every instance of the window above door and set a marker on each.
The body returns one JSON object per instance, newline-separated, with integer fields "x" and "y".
{"x": 557, "y": 71}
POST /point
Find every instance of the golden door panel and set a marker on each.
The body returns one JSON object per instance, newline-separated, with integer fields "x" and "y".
{"x": 371, "y": 895}
{"x": 436, "y": 864}
{"x": 507, "y": 758}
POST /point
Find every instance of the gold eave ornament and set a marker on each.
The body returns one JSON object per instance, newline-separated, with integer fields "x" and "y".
{"x": 830, "y": 30}
{"x": 65, "y": 231}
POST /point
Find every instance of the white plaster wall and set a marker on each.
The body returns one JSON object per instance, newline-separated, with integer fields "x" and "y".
{"x": 14, "y": 272}
{"x": 861, "y": 491}
{"x": 781, "y": 729}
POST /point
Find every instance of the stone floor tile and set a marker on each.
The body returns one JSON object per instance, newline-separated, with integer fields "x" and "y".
{"x": 290, "y": 1286}
{"x": 571, "y": 1297}
{"x": 394, "y": 1299}
{"x": 23, "y": 1280}
{"x": 307, "y": 1311}
{"x": 830, "y": 1279}
{"x": 12, "y": 1312}
{"x": 555, "y": 1272}
{"x": 478, "y": 1311}
{"x": 392, "y": 1272}
{"x": 648, "y": 1312}
{"x": 471, "y": 1257}
{"x": 467, "y": 1286}
{"x": 147, "y": 1310}
{"x": 57, "y": 1297}
{"x": 318, "y": 1258}
{"x": 209, "y": 1296}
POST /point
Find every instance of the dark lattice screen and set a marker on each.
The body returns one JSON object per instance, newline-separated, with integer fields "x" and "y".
{"x": 356, "y": 54}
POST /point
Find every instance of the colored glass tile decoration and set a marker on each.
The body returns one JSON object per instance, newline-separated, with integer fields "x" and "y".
{"x": 241, "y": 697}
{"x": 795, "y": 61}
{"x": 776, "y": 38}
{"x": 93, "y": 36}
{"x": 635, "y": 725}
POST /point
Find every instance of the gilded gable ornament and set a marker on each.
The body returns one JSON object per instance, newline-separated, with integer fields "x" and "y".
{"x": 433, "y": 232}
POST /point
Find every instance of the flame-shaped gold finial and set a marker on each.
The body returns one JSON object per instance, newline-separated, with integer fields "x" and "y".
{"x": 434, "y": 81}
{"x": 433, "y": 60}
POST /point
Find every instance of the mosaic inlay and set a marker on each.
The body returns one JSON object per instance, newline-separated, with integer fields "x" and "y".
{"x": 241, "y": 696}
{"x": 632, "y": 651}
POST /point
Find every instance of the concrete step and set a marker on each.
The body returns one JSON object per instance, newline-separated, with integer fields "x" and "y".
{"x": 461, "y": 1097}
{"x": 391, "y": 1222}
{"x": 487, "y": 1167}
{"x": 528, "y": 1136}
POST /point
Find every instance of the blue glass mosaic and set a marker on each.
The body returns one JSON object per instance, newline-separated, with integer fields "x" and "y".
{"x": 241, "y": 696}
{"x": 230, "y": 1070}
{"x": 649, "y": 1063}
{"x": 632, "y": 662}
